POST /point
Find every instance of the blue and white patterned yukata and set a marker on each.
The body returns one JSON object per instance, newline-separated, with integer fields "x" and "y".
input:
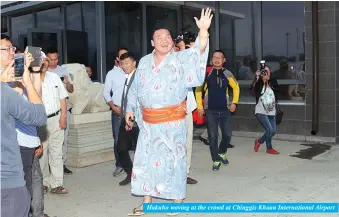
{"x": 159, "y": 168}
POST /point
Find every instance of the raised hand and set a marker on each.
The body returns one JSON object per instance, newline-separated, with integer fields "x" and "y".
{"x": 205, "y": 20}
{"x": 8, "y": 74}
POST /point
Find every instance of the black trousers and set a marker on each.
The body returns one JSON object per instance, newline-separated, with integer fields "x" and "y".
{"x": 127, "y": 141}
{"x": 27, "y": 155}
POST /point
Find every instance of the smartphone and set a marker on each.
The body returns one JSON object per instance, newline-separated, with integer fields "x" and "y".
{"x": 19, "y": 63}
{"x": 36, "y": 53}
{"x": 62, "y": 78}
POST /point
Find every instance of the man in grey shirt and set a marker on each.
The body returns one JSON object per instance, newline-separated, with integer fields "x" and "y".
{"x": 15, "y": 200}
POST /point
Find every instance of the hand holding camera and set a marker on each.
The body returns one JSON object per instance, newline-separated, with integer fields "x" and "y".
{"x": 8, "y": 74}
{"x": 31, "y": 58}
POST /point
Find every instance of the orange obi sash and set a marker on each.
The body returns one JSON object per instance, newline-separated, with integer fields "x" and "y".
{"x": 162, "y": 115}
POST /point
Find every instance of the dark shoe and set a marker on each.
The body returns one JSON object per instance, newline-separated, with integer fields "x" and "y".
{"x": 191, "y": 181}
{"x": 67, "y": 171}
{"x": 223, "y": 159}
{"x": 230, "y": 146}
{"x": 204, "y": 141}
{"x": 216, "y": 165}
{"x": 126, "y": 181}
{"x": 117, "y": 171}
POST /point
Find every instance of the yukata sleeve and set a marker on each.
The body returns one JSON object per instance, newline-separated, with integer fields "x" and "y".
{"x": 194, "y": 64}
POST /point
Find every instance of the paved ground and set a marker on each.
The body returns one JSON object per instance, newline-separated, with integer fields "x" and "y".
{"x": 250, "y": 177}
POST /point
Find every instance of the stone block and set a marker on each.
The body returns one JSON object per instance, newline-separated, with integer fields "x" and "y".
{"x": 90, "y": 139}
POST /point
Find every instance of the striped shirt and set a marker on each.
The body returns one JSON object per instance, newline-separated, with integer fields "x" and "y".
{"x": 53, "y": 91}
{"x": 27, "y": 136}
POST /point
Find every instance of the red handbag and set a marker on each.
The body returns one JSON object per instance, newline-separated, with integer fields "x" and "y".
{"x": 199, "y": 121}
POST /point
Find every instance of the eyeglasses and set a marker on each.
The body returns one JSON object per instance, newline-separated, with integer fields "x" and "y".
{"x": 12, "y": 49}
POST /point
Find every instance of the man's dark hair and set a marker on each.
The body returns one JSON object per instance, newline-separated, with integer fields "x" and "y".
{"x": 127, "y": 55}
{"x": 52, "y": 50}
{"x": 219, "y": 51}
{"x": 5, "y": 37}
{"x": 156, "y": 28}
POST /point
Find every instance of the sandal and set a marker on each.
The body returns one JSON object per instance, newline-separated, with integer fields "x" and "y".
{"x": 137, "y": 212}
{"x": 45, "y": 189}
{"x": 59, "y": 190}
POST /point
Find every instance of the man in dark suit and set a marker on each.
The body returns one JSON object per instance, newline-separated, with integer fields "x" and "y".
{"x": 127, "y": 139}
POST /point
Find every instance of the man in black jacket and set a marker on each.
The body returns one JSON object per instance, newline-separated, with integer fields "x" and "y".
{"x": 127, "y": 139}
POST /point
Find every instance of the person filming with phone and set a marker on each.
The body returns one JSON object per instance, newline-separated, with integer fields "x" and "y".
{"x": 53, "y": 56}
{"x": 264, "y": 90}
{"x": 21, "y": 114}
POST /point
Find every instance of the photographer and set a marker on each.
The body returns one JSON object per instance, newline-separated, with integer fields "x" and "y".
{"x": 15, "y": 110}
{"x": 186, "y": 41}
{"x": 264, "y": 88}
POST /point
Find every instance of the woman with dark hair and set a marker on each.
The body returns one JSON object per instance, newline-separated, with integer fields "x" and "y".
{"x": 264, "y": 89}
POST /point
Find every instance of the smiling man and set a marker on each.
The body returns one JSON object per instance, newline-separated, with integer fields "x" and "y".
{"x": 160, "y": 88}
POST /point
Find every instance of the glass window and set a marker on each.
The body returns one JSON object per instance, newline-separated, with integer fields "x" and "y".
{"x": 49, "y": 19}
{"x": 89, "y": 22}
{"x": 283, "y": 47}
{"x": 123, "y": 29}
{"x": 237, "y": 38}
{"x": 160, "y": 17}
{"x": 74, "y": 17}
{"x": 19, "y": 26}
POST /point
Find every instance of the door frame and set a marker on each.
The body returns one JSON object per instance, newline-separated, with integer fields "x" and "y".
{"x": 44, "y": 30}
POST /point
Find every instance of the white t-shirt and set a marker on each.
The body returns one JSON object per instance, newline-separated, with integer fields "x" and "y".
{"x": 266, "y": 103}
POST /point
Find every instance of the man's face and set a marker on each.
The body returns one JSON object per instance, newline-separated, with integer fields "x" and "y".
{"x": 162, "y": 41}
{"x": 89, "y": 71}
{"x": 54, "y": 59}
{"x": 45, "y": 65}
{"x": 218, "y": 59}
{"x": 7, "y": 52}
{"x": 128, "y": 65}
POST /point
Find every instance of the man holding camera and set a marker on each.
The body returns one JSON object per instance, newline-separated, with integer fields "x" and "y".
{"x": 29, "y": 113}
{"x": 186, "y": 41}
{"x": 65, "y": 77}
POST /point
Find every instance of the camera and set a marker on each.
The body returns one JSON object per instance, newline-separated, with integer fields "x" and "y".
{"x": 263, "y": 71}
{"x": 185, "y": 36}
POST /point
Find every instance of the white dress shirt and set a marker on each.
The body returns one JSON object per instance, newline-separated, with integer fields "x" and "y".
{"x": 128, "y": 77}
{"x": 53, "y": 91}
{"x": 115, "y": 80}
{"x": 191, "y": 103}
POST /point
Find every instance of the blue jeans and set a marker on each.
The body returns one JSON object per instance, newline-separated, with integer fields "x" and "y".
{"x": 115, "y": 131}
{"x": 224, "y": 121}
{"x": 270, "y": 127}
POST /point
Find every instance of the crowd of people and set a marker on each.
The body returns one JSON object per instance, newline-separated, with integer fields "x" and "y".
{"x": 151, "y": 104}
